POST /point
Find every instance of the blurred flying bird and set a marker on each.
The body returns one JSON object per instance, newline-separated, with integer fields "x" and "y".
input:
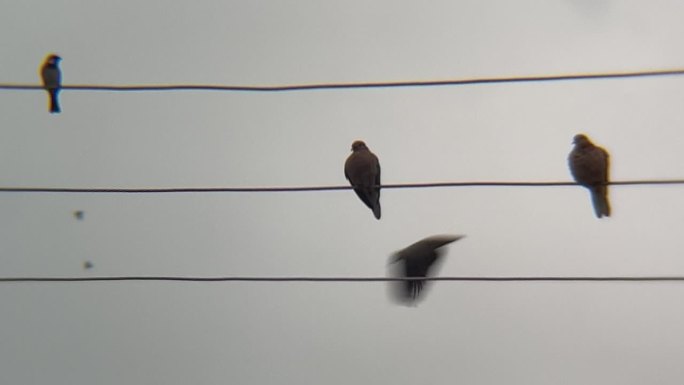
{"x": 362, "y": 169}
{"x": 589, "y": 166}
{"x": 78, "y": 214}
{"x": 418, "y": 260}
{"x": 52, "y": 80}
{"x": 87, "y": 265}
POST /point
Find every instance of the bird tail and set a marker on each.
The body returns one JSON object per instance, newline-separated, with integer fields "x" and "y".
{"x": 599, "y": 199}
{"x": 54, "y": 101}
{"x": 376, "y": 210}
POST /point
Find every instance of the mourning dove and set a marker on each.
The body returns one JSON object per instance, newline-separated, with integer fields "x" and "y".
{"x": 52, "y": 80}
{"x": 589, "y": 166}
{"x": 362, "y": 169}
{"x": 417, "y": 260}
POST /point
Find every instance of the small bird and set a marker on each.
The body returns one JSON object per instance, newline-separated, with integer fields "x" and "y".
{"x": 362, "y": 169}
{"x": 418, "y": 260}
{"x": 589, "y": 166}
{"x": 78, "y": 214}
{"x": 52, "y": 80}
{"x": 87, "y": 265}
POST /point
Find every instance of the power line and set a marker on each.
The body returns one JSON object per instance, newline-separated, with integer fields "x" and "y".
{"x": 349, "y": 279}
{"x": 319, "y": 188}
{"x": 360, "y": 85}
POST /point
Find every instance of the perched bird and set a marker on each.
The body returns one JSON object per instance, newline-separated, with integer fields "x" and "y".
{"x": 418, "y": 260}
{"x": 362, "y": 169}
{"x": 52, "y": 80}
{"x": 589, "y": 166}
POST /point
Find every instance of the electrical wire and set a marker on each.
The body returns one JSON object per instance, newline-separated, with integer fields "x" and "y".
{"x": 360, "y": 85}
{"x": 319, "y": 188}
{"x": 350, "y": 279}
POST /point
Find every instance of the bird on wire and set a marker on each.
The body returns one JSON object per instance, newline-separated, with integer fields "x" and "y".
{"x": 589, "y": 166}
{"x": 362, "y": 169}
{"x": 52, "y": 80}
{"x": 418, "y": 260}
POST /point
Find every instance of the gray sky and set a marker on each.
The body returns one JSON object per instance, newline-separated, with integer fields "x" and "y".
{"x": 339, "y": 333}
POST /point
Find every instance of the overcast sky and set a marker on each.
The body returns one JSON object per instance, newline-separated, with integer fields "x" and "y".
{"x": 339, "y": 333}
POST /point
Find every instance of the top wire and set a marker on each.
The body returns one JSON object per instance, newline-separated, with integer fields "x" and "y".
{"x": 361, "y": 85}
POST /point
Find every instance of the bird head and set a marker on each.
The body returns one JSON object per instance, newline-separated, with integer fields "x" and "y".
{"x": 581, "y": 140}
{"x": 358, "y": 145}
{"x": 53, "y": 59}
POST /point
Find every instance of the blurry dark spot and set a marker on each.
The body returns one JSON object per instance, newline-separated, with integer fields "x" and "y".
{"x": 419, "y": 260}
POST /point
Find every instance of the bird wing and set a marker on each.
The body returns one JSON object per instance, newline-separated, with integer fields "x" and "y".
{"x": 437, "y": 241}
{"x": 359, "y": 169}
{"x": 377, "y": 176}
{"x": 606, "y": 163}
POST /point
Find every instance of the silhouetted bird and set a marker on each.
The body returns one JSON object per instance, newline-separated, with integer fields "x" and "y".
{"x": 589, "y": 166}
{"x": 418, "y": 260}
{"x": 362, "y": 169}
{"x": 52, "y": 80}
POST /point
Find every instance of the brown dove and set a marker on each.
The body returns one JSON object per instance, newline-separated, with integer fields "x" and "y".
{"x": 589, "y": 166}
{"x": 418, "y": 260}
{"x": 362, "y": 169}
{"x": 52, "y": 80}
